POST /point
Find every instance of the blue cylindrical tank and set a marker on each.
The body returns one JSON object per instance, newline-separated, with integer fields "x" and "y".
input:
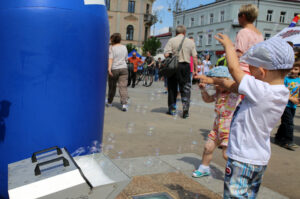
{"x": 53, "y": 66}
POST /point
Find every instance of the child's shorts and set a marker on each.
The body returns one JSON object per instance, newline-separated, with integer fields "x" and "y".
{"x": 220, "y": 132}
{"x": 242, "y": 180}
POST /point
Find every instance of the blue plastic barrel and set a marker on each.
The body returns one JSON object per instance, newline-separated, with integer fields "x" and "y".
{"x": 53, "y": 66}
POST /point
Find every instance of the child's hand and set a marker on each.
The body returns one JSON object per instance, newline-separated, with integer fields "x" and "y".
{"x": 295, "y": 100}
{"x": 202, "y": 86}
{"x": 223, "y": 39}
{"x": 206, "y": 80}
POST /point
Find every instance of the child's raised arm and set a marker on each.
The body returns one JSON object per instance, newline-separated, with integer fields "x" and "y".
{"x": 232, "y": 58}
{"x": 205, "y": 96}
{"x": 229, "y": 85}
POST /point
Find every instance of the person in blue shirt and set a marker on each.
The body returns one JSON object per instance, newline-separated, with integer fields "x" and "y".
{"x": 285, "y": 134}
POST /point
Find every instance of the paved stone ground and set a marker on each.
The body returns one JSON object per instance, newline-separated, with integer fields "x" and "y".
{"x": 161, "y": 173}
{"x": 146, "y": 131}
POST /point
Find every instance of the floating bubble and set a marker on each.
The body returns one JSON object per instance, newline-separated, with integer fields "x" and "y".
{"x": 175, "y": 117}
{"x": 157, "y": 151}
{"x": 119, "y": 154}
{"x": 148, "y": 162}
{"x": 130, "y": 127}
{"x": 150, "y": 131}
{"x": 78, "y": 152}
{"x": 194, "y": 142}
{"x": 138, "y": 108}
{"x": 179, "y": 150}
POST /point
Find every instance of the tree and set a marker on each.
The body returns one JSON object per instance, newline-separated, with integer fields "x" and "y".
{"x": 130, "y": 47}
{"x": 152, "y": 45}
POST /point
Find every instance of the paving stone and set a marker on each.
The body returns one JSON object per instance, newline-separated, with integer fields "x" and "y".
{"x": 143, "y": 166}
{"x": 185, "y": 163}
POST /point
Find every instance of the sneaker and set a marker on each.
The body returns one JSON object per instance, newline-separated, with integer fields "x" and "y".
{"x": 108, "y": 104}
{"x": 185, "y": 114}
{"x": 289, "y": 147}
{"x": 172, "y": 112}
{"x": 124, "y": 107}
{"x": 199, "y": 174}
{"x": 295, "y": 146}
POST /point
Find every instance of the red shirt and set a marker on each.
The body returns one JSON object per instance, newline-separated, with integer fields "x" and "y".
{"x": 136, "y": 62}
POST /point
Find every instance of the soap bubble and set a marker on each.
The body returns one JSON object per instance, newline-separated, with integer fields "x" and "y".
{"x": 138, "y": 108}
{"x": 78, "y": 152}
{"x": 148, "y": 162}
{"x": 179, "y": 150}
{"x": 119, "y": 154}
{"x": 130, "y": 127}
{"x": 157, "y": 151}
{"x": 150, "y": 131}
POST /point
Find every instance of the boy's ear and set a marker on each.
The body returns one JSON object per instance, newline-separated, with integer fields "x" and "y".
{"x": 263, "y": 72}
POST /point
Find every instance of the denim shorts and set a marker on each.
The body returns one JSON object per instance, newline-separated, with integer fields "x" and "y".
{"x": 242, "y": 180}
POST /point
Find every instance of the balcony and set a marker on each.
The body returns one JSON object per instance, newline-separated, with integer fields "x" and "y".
{"x": 149, "y": 19}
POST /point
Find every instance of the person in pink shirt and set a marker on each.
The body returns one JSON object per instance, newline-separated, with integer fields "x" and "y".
{"x": 192, "y": 63}
{"x": 249, "y": 35}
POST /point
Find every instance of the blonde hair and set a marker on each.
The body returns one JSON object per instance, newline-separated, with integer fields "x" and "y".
{"x": 250, "y": 11}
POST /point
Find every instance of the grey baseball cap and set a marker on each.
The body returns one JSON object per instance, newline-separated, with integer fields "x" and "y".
{"x": 272, "y": 54}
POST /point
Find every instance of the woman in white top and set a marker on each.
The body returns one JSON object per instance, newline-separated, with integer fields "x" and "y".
{"x": 207, "y": 64}
{"x": 117, "y": 70}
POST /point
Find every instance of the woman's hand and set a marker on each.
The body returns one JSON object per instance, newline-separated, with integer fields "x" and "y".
{"x": 224, "y": 40}
{"x": 110, "y": 73}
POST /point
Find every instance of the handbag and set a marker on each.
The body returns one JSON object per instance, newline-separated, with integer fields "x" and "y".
{"x": 169, "y": 65}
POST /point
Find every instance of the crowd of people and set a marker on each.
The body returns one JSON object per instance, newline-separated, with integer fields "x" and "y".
{"x": 256, "y": 82}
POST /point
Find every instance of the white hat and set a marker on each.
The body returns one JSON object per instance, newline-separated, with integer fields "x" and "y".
{"x": 272, "y": 54}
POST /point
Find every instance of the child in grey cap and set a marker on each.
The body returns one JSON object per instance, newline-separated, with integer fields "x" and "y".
{"x": 265, "y": 100}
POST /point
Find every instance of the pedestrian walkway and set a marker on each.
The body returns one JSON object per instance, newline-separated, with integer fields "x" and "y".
{"x": 146, "y": 131}
{"x": 170, "y": 166}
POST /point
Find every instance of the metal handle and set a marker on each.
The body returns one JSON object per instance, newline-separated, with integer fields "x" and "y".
{"x": 33, "y": 158}
{"x": 37, "y": 170}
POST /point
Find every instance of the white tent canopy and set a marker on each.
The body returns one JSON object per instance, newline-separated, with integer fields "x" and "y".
{"x": 290, "y": 34}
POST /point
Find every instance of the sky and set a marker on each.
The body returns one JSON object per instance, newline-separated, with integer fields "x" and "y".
{"x": 161, "y": 8}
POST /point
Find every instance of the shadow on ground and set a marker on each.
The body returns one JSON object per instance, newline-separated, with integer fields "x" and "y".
{"x": 159, "y": 110}
{"x": 204, "y": 133}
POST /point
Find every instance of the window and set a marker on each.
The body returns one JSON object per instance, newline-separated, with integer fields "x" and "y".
{"x": 211, "y": 18}
{"x": 222, "y": 15}
{"x": 209, "y": 39}
{"x": 267, "y": 36}
{"x": 146, "y": 33}
{"x": 200, "y": 41}
{"x": 131, "y": 6}
{"x": 107, "y": 3}
{"x": 129, "y": 33}
{"x": 192, "y": 23}
{"x": 282, "y": 17}
{"x": 147, "y": 9}
{"x": 202, "y": 20}
{"x": 269, "y": 15}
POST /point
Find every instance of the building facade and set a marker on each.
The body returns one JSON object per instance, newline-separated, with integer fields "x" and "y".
{"x": 205, "y": 21}
{"x": 131, "y": 18}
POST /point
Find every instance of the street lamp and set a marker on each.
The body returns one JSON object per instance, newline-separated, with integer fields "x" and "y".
{"x": 178, "y": 7}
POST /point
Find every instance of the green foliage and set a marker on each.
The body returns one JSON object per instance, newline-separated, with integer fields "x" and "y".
{"x": 152, "y": 44}
{"x": 130, "y": 47}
